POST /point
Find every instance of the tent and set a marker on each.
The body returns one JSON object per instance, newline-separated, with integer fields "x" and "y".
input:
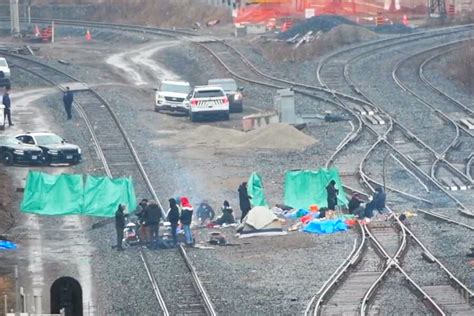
{"x": 260, "y": 221}
{"x": 306, "y": 187}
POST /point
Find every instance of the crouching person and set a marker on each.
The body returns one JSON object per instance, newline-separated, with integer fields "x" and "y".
{"x": 227, "y": 216}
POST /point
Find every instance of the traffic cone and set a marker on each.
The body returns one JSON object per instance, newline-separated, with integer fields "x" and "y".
{"x": 37, "y": 31}
{"x": 405, "y": 20}
{"x": 88, "y": 35}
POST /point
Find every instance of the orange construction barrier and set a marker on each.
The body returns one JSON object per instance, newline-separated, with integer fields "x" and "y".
{"x": 451, "y": 10}
{"x": 88, "y": 35}
{"x": 379, "y": 20}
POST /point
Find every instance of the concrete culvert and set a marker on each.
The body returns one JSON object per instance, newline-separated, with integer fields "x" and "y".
{"x": 66, "y": 293}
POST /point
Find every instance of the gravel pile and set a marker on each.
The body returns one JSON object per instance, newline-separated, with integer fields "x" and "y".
{"x": 273, "y": 136}
{"x": 317, "y": 23}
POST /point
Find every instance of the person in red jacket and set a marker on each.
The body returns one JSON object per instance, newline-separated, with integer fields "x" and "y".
{"x": 186, "y": 219}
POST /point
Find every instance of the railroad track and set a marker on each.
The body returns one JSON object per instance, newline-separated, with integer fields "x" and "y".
{"x": 119, "y": 158}
{"x": 351, "y": 288}
{"x": 337, "y": 102}
{"x": 408, "y": 137}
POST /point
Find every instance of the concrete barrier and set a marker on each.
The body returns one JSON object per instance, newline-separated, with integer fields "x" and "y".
{"x": 258, "y": 120}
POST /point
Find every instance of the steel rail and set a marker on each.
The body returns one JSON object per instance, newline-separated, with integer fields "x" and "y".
{"x": 392, "y": 262}
{"x": 197, "y": 282}
{"x": 404, "y": 129}
{"x": 389, "y": 266}
{"x": 341, "y": 266}
{"x": 209, "y": 307}
{"x": 372, "y": 43}
{"x": 445, "y": 218}
{"x": 467, "y": 293}
{"x": 404, "y": 87}
{"x": 99, "y": 151}
{"x": 432, "y": 86}
{"x": 129, "y": 27}
{"x": 342, "y": 272}
{"x": 407, "y": 132}
{"x": 348, "y": 139}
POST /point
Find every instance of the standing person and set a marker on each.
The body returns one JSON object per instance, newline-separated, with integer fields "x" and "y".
{"x": 152, "y": 223}
{"x": 244, "y": 200}
{"x": 8, "y": 106}
{"x": 186, "y": 220}
{"x": 140, "y": 212}
{"x": 205, "y": 212}
{"x": 120, "y": 225}
{"x": 173, "y": 218}
{"x": 68, "y": 99}
{"x": 332, "y": 195}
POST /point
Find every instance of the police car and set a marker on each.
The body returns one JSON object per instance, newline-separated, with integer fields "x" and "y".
{"x": 55, "y": 148}
{"x": 13, "y": 151}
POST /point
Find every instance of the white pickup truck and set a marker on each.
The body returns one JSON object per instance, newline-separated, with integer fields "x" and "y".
{"x": 207, "y": 101}
{"x": 4, "y": 72}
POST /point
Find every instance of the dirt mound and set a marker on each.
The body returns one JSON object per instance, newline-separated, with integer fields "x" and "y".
{"x": 277, "y": 136}
{"x": 274, "y": 136}
{"x": 322, "y": 23}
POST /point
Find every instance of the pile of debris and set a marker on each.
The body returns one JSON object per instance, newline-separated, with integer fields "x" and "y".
{"x": 320, "y": 23}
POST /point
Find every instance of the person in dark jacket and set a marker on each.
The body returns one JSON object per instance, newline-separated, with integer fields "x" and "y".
{"x": 227, "y": 216}
{"x": 332, "y": 195}
{"x": 173, "y": 218}
{"x": 8, "y": 105}
{"x": 68, "y": 99}
{"x": 186, "y": 219}
{"x": 120, "y": 225}
{"x": 152, "y": 223}
{"x": 354, "y": 203}
{"x": 244, "y": 200}
{"x": 205, "y": 212}
{"x": 140, "y": 213}
{"x": 377, "y": 203}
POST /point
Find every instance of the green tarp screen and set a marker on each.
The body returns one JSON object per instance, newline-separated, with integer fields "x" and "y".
{"x": 255, "y": 190}
{"x": 306, "y": 187}
{"x": 65, "y": 194}
{"x": 47, "y": 194}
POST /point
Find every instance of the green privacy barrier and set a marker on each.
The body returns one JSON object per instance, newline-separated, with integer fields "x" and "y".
{"x": 255, "y": 190}
{"x": 102, "y": 195}
{"x": 65, "y": 194}
{"x": 47, "y": 194}
{"x": 306, "y": 187}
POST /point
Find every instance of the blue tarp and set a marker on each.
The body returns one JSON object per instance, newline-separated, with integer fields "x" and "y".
{"x": 5, "y": 245}
{"x": 325, "y": 226}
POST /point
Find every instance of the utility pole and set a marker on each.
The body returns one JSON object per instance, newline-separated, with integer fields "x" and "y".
{"x": 17, "y": 284}
{"x": 14, "y": 17}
